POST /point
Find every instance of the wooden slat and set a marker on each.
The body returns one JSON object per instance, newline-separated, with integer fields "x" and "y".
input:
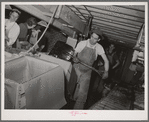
{"x": 119, "y": 23}
{"x": 119, "y": 33}
{"x": 116, "y": 25}
{"x": 115, "y": 30}
{"x": 33, "y": 11}
{"x": 42, "y": 8}
{"x": 80, "y": 12}
{"x": 83, "y": 11}
{"x": 75, "y": 11}
{"x": 71, "y": 18}
{"x": 120, "y": 10}
{"x": 121, "y": 38}
{"x": 134, "y": 7}
{"x": 58, "y": 23}
{"x": 112, "y": 28}
{"x": 50, "y": 8}
{"x": 88, "y": 11}
{"x": 115, "y": 19}
{"x": 37, "y": 13}
{"x": 79, "y": 6}
{"x": 112, "y": 18}
{"x": 97, "y": 11}
{"x": 116, "y": 41}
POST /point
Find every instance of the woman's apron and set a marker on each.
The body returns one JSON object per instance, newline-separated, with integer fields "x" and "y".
{"x": 88, "y": 56}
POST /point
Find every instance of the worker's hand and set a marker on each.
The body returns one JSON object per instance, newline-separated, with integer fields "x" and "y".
{"x": 23, "y": 53}
{"x": 105, "y": 75}
{"x": 75, "y": 59}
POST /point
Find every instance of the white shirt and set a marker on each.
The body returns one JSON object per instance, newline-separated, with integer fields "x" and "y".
{"x": 81, "y": 45}
{"x": 137, "y": 54}
{"x": 12, "y": 31}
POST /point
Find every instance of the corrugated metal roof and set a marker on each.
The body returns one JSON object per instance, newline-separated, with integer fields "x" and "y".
{"x": 120, "y": 23}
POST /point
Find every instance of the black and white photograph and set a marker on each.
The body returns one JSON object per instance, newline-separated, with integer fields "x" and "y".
{"x": 74, "y": 60}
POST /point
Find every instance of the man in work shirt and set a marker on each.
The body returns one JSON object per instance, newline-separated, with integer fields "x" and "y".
{"x": 86, "y": 52}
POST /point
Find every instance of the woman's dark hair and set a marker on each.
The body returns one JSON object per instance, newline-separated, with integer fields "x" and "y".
{"x": 32, "y": 21}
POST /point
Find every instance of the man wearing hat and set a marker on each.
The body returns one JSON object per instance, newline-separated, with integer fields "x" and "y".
{"x": 86, "y": 52}
{"x": 12, "y": 29}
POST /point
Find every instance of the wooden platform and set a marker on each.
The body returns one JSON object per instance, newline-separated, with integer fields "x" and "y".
{"x": 115, "y": 100}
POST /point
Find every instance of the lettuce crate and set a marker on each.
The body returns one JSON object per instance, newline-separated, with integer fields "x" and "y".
{"x": 32, "y": 83}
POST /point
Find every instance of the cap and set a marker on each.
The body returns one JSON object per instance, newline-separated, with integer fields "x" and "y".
{"x": 8, "y": 7}
{"x": 98, "y": 32}
{"x": 42, "y": 23}
{"x": 17, "y": 11}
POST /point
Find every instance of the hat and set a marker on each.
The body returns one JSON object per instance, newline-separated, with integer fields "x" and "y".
{"x": 42, "y": 23}
{"x": 17, "y": 11}
{"x": 98, "y": 32}
{"x": 8, "y": 7}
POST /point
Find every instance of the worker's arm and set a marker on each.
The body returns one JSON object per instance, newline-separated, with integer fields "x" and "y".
{"x": 117, "y": 61}
{"x": 75, "y": 59}
{"x": 116, "y": 65}
{"x": 106, "y": 66}
{"x": 78, "y": 49}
